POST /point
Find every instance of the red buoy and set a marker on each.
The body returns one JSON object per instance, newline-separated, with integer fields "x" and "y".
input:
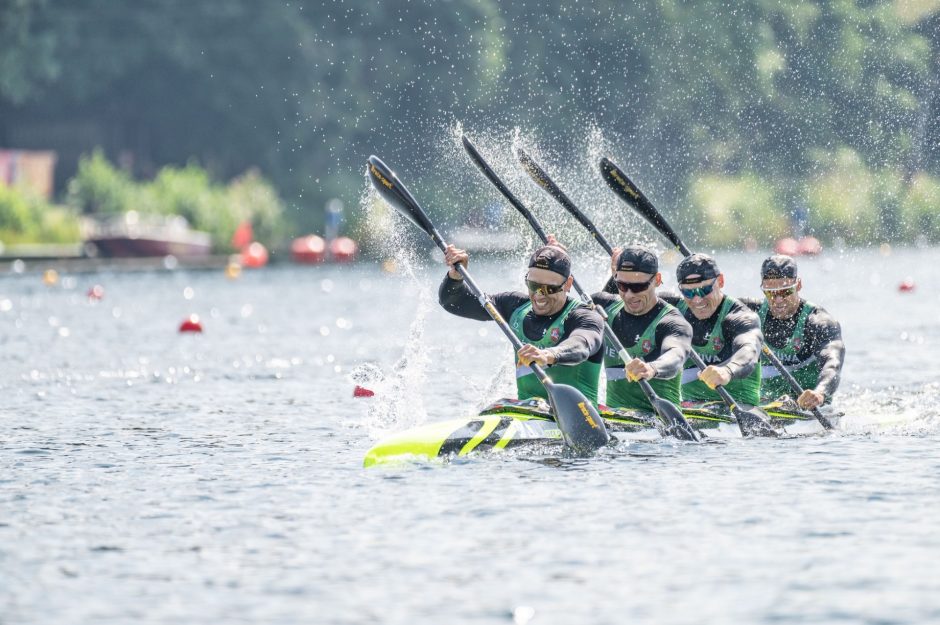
{"x": 191, "y": 324}
{"x": 96, "y": 292}
{"x": 787, "y": 246}
{"x": 907, "y": 285}
{"x": 343, "y": 249}
{"x": 255, "y": 255}
{"x": 810, "y": 246}
{"x": 310, "y": 249}
{"x": 361, "y": 391}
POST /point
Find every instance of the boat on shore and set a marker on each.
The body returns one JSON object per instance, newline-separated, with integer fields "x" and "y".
{"x": 133, "y": 235}
{"x": 511, "y": 423}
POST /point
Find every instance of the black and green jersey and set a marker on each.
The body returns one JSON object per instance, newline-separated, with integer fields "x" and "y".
{"x": 575, "y": 334}
{"x": 660, "y": 337}
{"x": 810, "y": 345}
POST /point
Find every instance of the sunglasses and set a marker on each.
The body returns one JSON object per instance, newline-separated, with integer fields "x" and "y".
{"x": 786, "y": 291}
{"x": 634, "y": 287}
{"x": 700, "y": 291}
{"x": 544, "y": 289}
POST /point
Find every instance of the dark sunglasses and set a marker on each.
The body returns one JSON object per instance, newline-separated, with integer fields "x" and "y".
{"x": 634, "y": 287}
{"x": 544, "y": 289}
{"x": 700, "y": 291}
{"x": 784, "y": 292}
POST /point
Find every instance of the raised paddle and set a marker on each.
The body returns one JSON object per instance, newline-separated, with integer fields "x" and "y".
{"x": 631, "y": 194}
{"x": 581, "y": 426}
{"x": 750, "y": 423}
{"x": 671, "y": 420}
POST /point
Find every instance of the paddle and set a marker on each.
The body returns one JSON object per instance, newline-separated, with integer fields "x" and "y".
{"x": 672, "y": 421}
{"x": 581, "y": 426}
{"x": 631, "y": 194}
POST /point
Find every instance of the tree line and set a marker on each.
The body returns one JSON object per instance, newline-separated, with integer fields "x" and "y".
{"x": 788, "y": 93}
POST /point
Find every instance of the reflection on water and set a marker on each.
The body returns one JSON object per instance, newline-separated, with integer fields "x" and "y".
{"x": 151, "y": 476}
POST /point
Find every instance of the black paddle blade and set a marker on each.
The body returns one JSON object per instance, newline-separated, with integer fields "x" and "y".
{"x": 752, "y": 423}
{"x": 580, "y": 424}
{"x": 390, "y": 187}
{"x": 674, "y": 421}
{"x": 631, "y": 194}
{"x": 535, "y": 172}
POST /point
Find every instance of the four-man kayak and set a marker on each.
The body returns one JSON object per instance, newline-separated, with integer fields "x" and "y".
{"x": 511, "y": 423}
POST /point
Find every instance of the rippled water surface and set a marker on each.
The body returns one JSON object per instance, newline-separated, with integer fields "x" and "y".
{"x": 148, "y": 476}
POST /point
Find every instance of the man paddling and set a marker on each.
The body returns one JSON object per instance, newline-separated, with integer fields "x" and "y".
{"x": 559, "y": 331}
{"x": 806, "y": 338}
{"x": 653, "y": 332}
{"x": 725, "y": 333}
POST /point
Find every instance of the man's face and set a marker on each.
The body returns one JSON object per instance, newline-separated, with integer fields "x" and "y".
{"x": 783, "y": 295}
{"x": 702, "y": 296}
{"x": 637, "y": 290}
{"x": 540, "y": 283}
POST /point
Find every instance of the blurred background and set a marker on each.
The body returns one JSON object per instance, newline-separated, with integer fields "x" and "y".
{"x": 780, "y": 118}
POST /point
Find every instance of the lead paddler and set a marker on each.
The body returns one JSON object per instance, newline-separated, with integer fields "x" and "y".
{"x": 558, "y": 331}
{"x": 725, "y": 333}
{"x": 653, "y": 332}
{"x": 806, "y": 338}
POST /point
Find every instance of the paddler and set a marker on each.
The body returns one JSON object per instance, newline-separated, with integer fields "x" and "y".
{"x": 654, "y": 332}
{"x": 558, "y": 331}
{"x": 725, "y": 333}
{"x": 806, "y": 338}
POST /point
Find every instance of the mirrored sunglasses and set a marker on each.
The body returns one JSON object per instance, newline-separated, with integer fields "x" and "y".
{"x": 544, "y": 289}
{"x": 786, "y": 291}
{"x": 700, "y": 291}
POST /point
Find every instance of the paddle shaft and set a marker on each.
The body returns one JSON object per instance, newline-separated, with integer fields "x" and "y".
{"x": 794, "y": 384}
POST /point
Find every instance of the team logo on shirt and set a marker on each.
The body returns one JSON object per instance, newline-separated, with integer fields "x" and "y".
{"x": 556, "y": 334}
{"x": 717, "y": 343}
{"x": 797, "y": 342}
{"x": 647, "y": 346}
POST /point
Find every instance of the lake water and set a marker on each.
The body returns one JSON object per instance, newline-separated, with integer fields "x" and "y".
{"x": 149, "y": 476}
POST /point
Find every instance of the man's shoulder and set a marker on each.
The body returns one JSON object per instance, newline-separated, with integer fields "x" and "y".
{"x": 739, "y": 312}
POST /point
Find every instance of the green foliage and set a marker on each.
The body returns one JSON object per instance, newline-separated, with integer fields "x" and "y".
{"x": 843, "y": 200}
{"x": 27, "y": 218}
{"x": 100, "y": 188}
{"x": 737, "y": 209}
{"x": 920, "y": 209}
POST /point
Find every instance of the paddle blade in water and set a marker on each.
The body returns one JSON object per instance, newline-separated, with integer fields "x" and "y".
{"x": 753, "y": 422}
{"x": 675, "y": 422}
{"x": 580, "y": 424}
{"x": 390, "y": 187}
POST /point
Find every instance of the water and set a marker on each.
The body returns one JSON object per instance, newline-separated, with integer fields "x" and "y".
{"x": 148, "y": 476}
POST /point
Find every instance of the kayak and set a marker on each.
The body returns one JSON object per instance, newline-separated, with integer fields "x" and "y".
{"x": 511, "y": 423}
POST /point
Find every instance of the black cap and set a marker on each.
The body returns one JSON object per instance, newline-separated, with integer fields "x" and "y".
{"x": 700, "y": 265}
{"x": 551, "y": 258}
{"x": 778, "y": 266}
{"x": 637, "y": 258}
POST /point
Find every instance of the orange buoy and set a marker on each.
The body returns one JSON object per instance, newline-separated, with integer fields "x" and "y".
{"x": 810, "y": 246}
{"x": 361, "y": 391}
{"x": 191, "y": 324}
{"x": 255, "y": 255}
{"x": 310, "y": 249}
{"x": 343, "y": 249}
{"x": 907, "y": 285}
{"x": 787, "y": 246}
{"x": 96, "y": 292}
